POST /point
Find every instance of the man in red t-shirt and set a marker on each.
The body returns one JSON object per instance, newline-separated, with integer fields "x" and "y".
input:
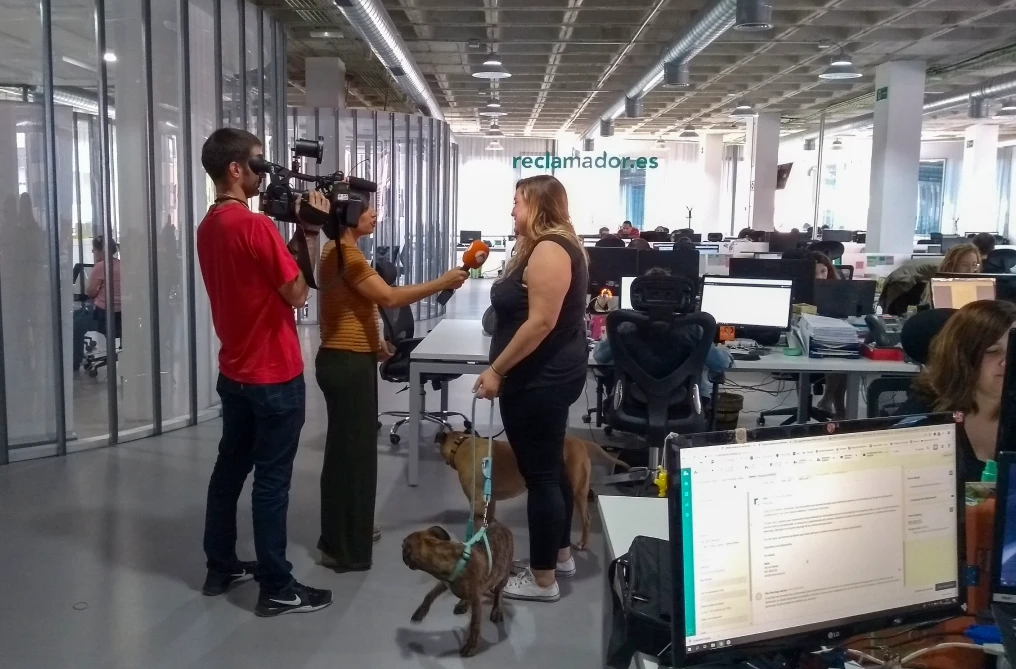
{"x": 628, "y": 231}
{"x": 253, "y": 285}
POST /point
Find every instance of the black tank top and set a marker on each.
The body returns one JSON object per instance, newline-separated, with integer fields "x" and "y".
{"x": 561, "y": 358}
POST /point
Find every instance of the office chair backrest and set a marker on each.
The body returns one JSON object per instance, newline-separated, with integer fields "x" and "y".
{"x": 920, "y": 329}
{"x": 387, "y": 270}
{"x": 646, "y": 401}
{"x": 714, "y": 237}
{"x": 887, "y": 394}
{"x": 1000, "y": 261}
{"x": 830, "y": 249}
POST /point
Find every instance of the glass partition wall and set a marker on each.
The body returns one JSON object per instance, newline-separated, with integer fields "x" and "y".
{"x": 413, "y": 162}
{"x": 163, "y": 75}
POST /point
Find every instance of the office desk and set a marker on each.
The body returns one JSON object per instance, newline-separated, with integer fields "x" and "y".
{"x": 453, "y": 347}
{"x": 804, "y": 366}
{"x": 625, "y": 518}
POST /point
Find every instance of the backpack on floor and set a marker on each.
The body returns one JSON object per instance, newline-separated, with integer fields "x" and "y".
{"x": 640, "y": 589}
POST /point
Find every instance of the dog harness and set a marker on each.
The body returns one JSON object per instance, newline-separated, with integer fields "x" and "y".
{"x": 486, "y": 469}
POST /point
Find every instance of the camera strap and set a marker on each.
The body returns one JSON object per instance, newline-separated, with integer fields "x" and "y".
{"x": 299, "y": 245}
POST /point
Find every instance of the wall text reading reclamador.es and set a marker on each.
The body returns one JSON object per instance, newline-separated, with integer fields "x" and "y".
{"x": 549, "y": 162}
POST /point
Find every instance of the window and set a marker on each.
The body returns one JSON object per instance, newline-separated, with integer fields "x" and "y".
{"x": 930, "y": 176}
{"x": 633, "y": 195}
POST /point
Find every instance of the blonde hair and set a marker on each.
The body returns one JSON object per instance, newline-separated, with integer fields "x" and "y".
{"x": 949, "y": 264}
{"x": 547, "y": 201}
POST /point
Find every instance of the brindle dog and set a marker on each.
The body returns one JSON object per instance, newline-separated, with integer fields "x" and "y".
{"x": 434, "y": 552}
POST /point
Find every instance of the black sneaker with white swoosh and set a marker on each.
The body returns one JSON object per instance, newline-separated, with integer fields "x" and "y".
{"x": 298, "y": 599}
{"x": 217, "y": 584}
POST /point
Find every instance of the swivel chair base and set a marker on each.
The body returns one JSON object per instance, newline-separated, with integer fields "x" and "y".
{"x": 439, "y": 418}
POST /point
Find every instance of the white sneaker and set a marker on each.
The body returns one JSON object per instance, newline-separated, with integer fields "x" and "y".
{"x": 524, "y": 586}
{"x": 564, "y": 569}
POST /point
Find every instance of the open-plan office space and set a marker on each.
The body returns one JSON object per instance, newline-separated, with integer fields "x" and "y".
{"x": 731, "y": 138}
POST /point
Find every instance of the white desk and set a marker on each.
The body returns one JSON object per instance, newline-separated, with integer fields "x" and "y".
{"x": 625, "y": 518}
{"x": 453, "y": 347}
{"x": 804, "y": 366}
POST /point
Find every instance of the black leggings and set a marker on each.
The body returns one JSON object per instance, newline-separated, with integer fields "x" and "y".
{"x": 535, "y": 422}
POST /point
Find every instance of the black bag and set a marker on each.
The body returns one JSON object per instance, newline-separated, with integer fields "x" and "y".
{"x": 640, "y": 588}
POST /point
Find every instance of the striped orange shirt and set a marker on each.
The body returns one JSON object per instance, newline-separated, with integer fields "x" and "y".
{"x": 349, "y": 321}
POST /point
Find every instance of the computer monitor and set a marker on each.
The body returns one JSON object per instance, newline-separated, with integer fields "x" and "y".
{"x": 842, "y": 236}
{"x": 607, "y": 265}
{"x": 958, "y": 292}
{"x": 707, "y": 248}
{"x": 783, "y": 241}
{"x": 841, "y": 298}
{"x": 680, "y": 262}
{"x": 1005, "y": 284}
{"x": 756, "y": 303}
{"x": 626, "y": 282}
{"x": 469, "y": 236}
{"x": 663, "y": 246}
{"x": 949, "y": 242}
{"x": 801, "y": 534}
{"x": 801, "y": 272}
{"x": 1003, "y": 553}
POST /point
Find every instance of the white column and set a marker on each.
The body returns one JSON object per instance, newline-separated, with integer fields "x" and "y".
{"x": 895, "y": 157}
{"x": 978, "y": 209}
{"x": 762, "y": 145}
{"x": 326, "y": 83}
{"x": 711, "y": 163}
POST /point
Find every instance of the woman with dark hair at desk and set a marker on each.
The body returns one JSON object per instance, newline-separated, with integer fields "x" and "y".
{"x": 965, "y": 372}
{"x": 538, "y": 362}
{"x": 92, "y": 317}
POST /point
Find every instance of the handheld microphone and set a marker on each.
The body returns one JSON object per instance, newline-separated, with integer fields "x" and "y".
{"x": 473, "y": 258}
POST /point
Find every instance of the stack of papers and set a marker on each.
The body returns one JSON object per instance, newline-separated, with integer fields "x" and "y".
{"x": 826, "y": 337}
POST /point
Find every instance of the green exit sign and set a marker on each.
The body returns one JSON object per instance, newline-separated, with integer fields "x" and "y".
{"x": 882, "y": 94}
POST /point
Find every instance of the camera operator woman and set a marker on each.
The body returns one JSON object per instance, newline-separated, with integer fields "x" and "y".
{"x": 346, "y": 365}
{"x": 538, "y": 367}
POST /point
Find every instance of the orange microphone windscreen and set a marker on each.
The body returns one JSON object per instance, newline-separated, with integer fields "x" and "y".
{"x": 475, "y": 255}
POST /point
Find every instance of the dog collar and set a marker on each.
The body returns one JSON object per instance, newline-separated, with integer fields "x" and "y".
{"x": 467, "y": 552}
{"x": 457, "y": 443}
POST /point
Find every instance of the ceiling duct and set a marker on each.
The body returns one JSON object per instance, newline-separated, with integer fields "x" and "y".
{"x": 373, "y": 24}
{"x": 606, "y": 128}
{"x": 1002, "y": 86}
{"x": 711, "y": 21}
{"x": 633, "y": 107}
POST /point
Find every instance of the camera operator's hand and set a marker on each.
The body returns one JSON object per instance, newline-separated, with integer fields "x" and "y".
{"x": 318, "y": 201}
{"x": 453, "y": 279}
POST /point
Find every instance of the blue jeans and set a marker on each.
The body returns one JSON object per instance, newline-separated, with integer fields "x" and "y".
{"x": 260, "y": 430}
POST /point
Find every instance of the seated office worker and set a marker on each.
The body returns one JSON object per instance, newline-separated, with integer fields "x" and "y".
{"x": 346, "y": 368}
{"x": 663, "y": 361}
{"x": 965, "y": 373}
{"x": 538, "y": 364}
{"x": 94, "y": 319}
{"x": 960, "y": 259}
{"x": 253, "y": 285}
{"x": 628, "y": 231}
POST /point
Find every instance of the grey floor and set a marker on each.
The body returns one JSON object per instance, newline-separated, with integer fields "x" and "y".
{"x": 101, "y": 560}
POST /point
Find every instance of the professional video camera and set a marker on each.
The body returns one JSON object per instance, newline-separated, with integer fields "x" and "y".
{"x": 348, "y": 197}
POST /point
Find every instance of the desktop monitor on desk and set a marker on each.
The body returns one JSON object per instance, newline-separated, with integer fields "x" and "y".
{"x": 469, "y": 236}
{"x": 806, "y": 533}
{"x": 1005, "y": 284}
{"x": 958, "y": 292}
{"x": 950, "y": 242}
{"x": 748, "y": 303}
{"x": 679, "y": 262}
{"x": 801, "y": 272}
{"x": 841, "y": 298}
{"x": 607, "y": 265}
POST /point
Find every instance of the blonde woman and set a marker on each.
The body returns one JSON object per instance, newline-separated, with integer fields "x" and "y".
{"x": 961, "y": 259}
{"x": 538, "y": 368}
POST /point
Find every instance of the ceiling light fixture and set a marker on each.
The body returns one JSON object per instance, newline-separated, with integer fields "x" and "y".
{"x": 743, "y": 109}
{"x": 841, "y": 67}
{"x": 837, "y": 145}
{"x": 492, "y": 68}
{"x": 495, "y": 146}
{"x": 689, "y": 133}
{"x": 753, "y": 15}
{"x": 325, "y": 34}
{"x": 109, "y": 57}
{"x": 660, "y": 144}
{"x": 494, "y": 130}
{"x": 492, "y": 109}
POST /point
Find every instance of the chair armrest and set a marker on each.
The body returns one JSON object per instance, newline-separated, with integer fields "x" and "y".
{"x": 717, "y": 378}
{"x": 406, "y": 346}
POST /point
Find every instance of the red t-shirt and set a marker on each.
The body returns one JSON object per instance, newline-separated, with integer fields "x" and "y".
{"x": 244, "y": 263}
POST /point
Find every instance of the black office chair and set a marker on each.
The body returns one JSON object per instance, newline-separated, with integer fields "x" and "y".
{"x": 887, "y": 394}
{"x": 714, "y": 237}
{"x": 659, "y": 336}
{"x": 817, "y": 382}
{"x": 399, "y": 329}
{"x": 846, "y": 272}
{"x": 832, "y": 250}
{"x": 1000, "y": 261}
{"x": 610, "y": 242}
{"x": 94, "y": 361}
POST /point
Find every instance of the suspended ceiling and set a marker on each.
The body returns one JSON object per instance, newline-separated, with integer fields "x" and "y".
{"x": 571, "y": 59}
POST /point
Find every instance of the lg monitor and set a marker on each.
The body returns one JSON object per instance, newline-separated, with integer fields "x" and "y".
{"x": 783, "y": 241}
{"x": 607, "y": 265}
{"x": 751, "y": 303}
{"x": 469, "y": 236}
{"x": 958, "y": 292}
{"x": 679, "y": 262}
{"x": 840, "y": 298}
{"x": 791, "y": 536}
{"x": 949, "y": 242}
{"x": 801, "y": 272}
{"x": 842, "y": 236}
{"x": 1005, "y": 284}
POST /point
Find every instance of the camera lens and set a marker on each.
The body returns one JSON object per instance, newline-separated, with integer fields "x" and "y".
{"x": 310, "y": 148}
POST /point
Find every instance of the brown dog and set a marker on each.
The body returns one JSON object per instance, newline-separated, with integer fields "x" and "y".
{"x": 434, "y": 552}
{"x": 507, "y": 482}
